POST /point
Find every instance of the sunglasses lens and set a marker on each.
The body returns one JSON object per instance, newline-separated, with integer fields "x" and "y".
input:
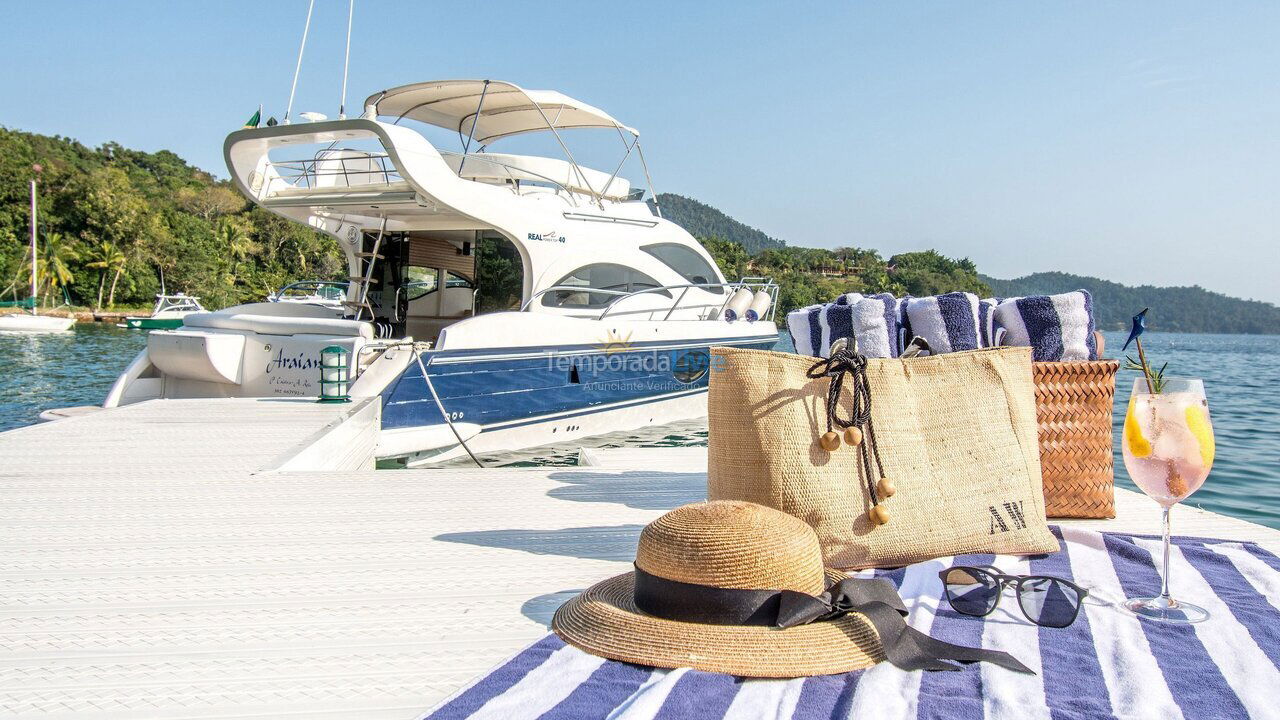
{"x": 1049, "y": 602}
{"x": 970, "y": 591}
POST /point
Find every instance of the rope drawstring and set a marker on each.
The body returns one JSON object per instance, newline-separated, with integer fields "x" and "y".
{"x": 846, "y": 361}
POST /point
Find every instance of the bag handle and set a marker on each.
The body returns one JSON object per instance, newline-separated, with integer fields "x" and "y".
{"x": 859, "y": 428}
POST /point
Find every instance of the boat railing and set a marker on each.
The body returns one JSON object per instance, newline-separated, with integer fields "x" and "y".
{"x": 749, "y": 283}
{"x": 512, "y": 174}
{"x": 335, "y": 168}
{"x": 338, "y": 168}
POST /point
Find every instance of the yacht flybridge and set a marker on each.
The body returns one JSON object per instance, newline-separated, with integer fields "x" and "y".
{"x": 496, "y": 301}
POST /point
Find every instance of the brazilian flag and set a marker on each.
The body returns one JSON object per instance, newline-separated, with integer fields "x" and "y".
{"x": 253, "y": 121}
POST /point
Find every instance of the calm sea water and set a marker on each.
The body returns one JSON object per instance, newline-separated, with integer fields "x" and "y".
{"x": 1241, "y": 374}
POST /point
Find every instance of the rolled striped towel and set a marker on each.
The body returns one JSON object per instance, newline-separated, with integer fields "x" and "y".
{"x": 806, "y": 333}
{"x": 1056, "y": 327}
{"x": 876, "y": 326}
{"x": 873, "y": 321}
{"x": 948, "y": 322}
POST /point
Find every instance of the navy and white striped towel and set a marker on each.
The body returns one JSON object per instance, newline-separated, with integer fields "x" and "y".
{"x": 1109, "y": 664}
{"x": 806, "y": 333}
{"x": 815, "y": 327}
{"x": 1056, "y": 327}
{"x": 876, "y": 326}
{"x": 872, "y": 320}
{"x": 948, "y": 322}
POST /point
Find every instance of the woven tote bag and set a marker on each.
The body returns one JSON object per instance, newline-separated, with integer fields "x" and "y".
{"x": 1074, "y": 403}
{"x": 956, "y": 434}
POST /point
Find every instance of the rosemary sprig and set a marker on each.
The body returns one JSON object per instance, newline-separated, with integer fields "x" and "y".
{"x": 1155, "y": 378}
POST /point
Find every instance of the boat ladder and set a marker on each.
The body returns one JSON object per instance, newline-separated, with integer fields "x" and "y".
{"x": 366, "y": 279}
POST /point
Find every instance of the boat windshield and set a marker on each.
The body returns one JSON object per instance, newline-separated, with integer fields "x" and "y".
{"x": 312, "y": 291}
{"x": 177, "y": 303}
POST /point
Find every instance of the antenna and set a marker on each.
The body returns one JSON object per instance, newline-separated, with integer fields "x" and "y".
{"x": 305, "y": 29}
{"x": 346, "y": 62}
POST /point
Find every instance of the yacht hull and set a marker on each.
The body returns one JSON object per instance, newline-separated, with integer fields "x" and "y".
{"x": 35, "y": 323}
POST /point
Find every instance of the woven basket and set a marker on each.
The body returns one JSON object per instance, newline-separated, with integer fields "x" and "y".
{"x": 1074, "y": 402}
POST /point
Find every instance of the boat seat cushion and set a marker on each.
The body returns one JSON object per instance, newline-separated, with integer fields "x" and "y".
{"x": 274, "y": 325}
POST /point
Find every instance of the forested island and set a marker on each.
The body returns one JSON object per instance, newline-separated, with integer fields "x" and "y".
{"x": 1181, "y": 309}
{"x": 114, "y": 220}
{"x": 116, "y": 223}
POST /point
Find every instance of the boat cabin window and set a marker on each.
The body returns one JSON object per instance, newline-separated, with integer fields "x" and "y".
{"x": 419, "y": 281}
{"x": 603, "y": 276}
{"x": 690, "y": 265}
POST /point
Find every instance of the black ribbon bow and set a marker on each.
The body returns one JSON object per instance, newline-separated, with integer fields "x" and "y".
{"x": 904, "y": 646}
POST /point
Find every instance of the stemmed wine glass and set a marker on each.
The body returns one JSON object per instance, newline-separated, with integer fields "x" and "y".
{"x": 1168, "y": 450}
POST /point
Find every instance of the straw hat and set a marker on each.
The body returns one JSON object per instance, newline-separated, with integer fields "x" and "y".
{"x": 709, "y": 548}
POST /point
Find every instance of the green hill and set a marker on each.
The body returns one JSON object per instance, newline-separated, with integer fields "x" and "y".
{"x": 702, "y": 220}
{"x": 112, "y": 220}
{"x": 1173, "y": 309}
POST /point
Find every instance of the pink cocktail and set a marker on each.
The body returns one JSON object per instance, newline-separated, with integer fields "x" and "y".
{"x": 1168, "y": 451}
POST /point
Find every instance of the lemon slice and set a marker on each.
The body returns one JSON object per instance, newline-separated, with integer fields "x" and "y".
{"x": 1138, "y": 445}
{"x": 1198, "y": 424}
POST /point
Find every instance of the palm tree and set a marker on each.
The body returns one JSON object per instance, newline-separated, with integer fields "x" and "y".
{"x": 56, "y": 253}
{"x": 240, "y": 245}
{"x": 105, "y": 257}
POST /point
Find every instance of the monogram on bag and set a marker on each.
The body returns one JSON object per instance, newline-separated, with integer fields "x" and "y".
{"x": 955, "y": 435}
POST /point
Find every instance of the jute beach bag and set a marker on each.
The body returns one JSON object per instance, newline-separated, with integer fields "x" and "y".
{"x": 956, "y": 434}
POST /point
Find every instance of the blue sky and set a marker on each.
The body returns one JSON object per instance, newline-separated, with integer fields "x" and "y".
{"x": 1135, "y": 141}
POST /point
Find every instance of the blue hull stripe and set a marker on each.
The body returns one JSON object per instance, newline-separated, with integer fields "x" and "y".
{"x": 501, "y": 389}
{"x": 444, "y": 356}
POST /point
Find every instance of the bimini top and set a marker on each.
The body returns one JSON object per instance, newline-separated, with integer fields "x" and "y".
{"x": 506, "y": 110}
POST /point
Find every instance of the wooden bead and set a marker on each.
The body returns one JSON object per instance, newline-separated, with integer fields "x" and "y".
{"x": 879, "y": 515}
{"x": 885, "y": 488}
{"x": 853, "y": 436}
{"x": 829, "y": 441}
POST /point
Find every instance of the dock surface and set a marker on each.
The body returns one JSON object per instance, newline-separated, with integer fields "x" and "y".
{"x": 187, "y": 571}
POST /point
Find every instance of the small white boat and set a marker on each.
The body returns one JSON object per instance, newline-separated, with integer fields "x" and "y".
{"x": 22, "y": 322}
{"x": 34, "y": 322}
{"x": 167, "y": 314}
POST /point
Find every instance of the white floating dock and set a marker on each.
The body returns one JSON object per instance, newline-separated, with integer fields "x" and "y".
{"x": 183, "y": 560}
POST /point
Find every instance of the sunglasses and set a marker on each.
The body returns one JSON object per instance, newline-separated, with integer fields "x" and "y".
{"x": 1046, "y": 601}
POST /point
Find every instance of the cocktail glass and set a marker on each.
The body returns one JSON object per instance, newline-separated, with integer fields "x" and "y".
{"x": 1168, "y": 450}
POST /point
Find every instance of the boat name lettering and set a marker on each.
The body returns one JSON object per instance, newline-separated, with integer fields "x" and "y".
{"x": 299, "y": 361}
{"x": 547, "y": 237}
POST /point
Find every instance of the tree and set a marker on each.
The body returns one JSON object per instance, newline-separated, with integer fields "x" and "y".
{"x": 105, "y": 258}
{"x": 210, "y": 201}
{"x": 56, "y": 256}
{"x": 238, "y": 244}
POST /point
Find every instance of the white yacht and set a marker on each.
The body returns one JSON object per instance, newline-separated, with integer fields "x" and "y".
{"x": 600, "y": 320}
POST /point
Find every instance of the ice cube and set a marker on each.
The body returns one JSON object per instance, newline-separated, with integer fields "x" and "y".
{"x": 1172, "y": 407}
{"x": 1174, "y": 441}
